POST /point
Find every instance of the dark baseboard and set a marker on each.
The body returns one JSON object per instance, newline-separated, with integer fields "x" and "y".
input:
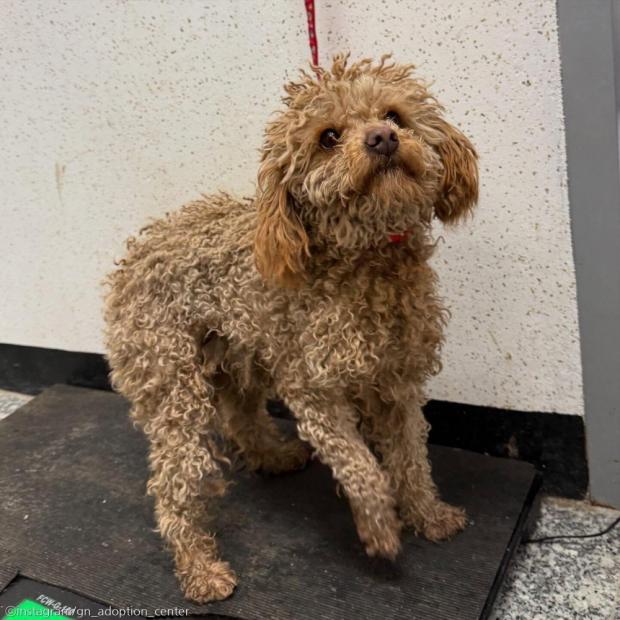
{"x": 31, "y": 369}
{"x": 553, "y": 442}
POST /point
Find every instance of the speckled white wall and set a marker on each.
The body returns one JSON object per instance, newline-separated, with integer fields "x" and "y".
{"x": 112, "y": 112}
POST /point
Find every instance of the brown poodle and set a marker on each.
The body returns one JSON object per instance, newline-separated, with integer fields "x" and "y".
{"x": 318, "y": 290}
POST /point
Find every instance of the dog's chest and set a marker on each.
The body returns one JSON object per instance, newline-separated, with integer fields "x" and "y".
{"x": 368, "y": 336}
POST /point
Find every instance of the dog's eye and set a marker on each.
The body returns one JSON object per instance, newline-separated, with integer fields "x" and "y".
{"x": 394, "y": 118}
{"x": 329, "y": 138}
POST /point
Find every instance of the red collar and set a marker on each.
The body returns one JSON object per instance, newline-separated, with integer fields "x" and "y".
{"x": 399, "y": 237}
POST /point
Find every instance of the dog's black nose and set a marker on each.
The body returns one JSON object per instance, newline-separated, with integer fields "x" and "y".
{"x": 382, "y": 140}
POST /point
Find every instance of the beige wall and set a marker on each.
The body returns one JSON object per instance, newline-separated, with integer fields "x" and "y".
{"x": 113, "y": 112}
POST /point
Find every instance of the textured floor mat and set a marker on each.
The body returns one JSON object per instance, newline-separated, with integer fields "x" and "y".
{"x": 73, "y": 514}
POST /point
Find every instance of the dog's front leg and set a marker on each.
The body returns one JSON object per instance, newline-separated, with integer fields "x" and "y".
{"x": 400, "y": 435}
{"x": 330, "y": 426}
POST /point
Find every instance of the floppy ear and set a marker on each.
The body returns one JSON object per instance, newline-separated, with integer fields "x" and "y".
{"x": 281, "y": 243}
{"x": 459, "y": 185}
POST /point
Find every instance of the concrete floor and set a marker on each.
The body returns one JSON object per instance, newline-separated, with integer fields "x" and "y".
{"x": 563, "y": 580}
{"x": 9, "y": 401}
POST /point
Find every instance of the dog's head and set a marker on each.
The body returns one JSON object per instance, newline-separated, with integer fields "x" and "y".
{"x": 360, "y": 153}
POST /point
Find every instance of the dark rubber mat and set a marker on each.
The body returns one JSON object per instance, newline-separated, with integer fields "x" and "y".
{"x": 73, "y": 514}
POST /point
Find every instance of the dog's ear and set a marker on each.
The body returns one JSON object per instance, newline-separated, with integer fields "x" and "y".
{"x": 281, "y": 244}
{"x": 459, "y": 185}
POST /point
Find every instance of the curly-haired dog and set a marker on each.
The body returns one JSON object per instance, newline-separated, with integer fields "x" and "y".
{"x": 318, "y": 290}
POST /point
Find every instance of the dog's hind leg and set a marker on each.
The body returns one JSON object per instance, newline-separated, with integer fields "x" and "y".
{"x": 247, "y": 423}
{"x": 179, "y": 417}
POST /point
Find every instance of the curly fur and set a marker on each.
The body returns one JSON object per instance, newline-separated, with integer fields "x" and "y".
{"x": 300, "y": 293}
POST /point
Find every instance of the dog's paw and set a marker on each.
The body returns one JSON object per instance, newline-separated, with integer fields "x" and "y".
{"x": 442, "y": 523}
{"x": 379, "y": 530}
{"x": 290, "y": 455}
{"x": 208, "y": 581}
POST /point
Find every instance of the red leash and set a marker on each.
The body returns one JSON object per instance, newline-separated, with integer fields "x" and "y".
{"x": 314, "y": 46}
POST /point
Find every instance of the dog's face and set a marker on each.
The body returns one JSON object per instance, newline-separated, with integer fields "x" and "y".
{"x": 360, "y": 153}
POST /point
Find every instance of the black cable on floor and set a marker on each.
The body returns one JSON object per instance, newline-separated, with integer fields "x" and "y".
{"x": 545, "y": 539}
